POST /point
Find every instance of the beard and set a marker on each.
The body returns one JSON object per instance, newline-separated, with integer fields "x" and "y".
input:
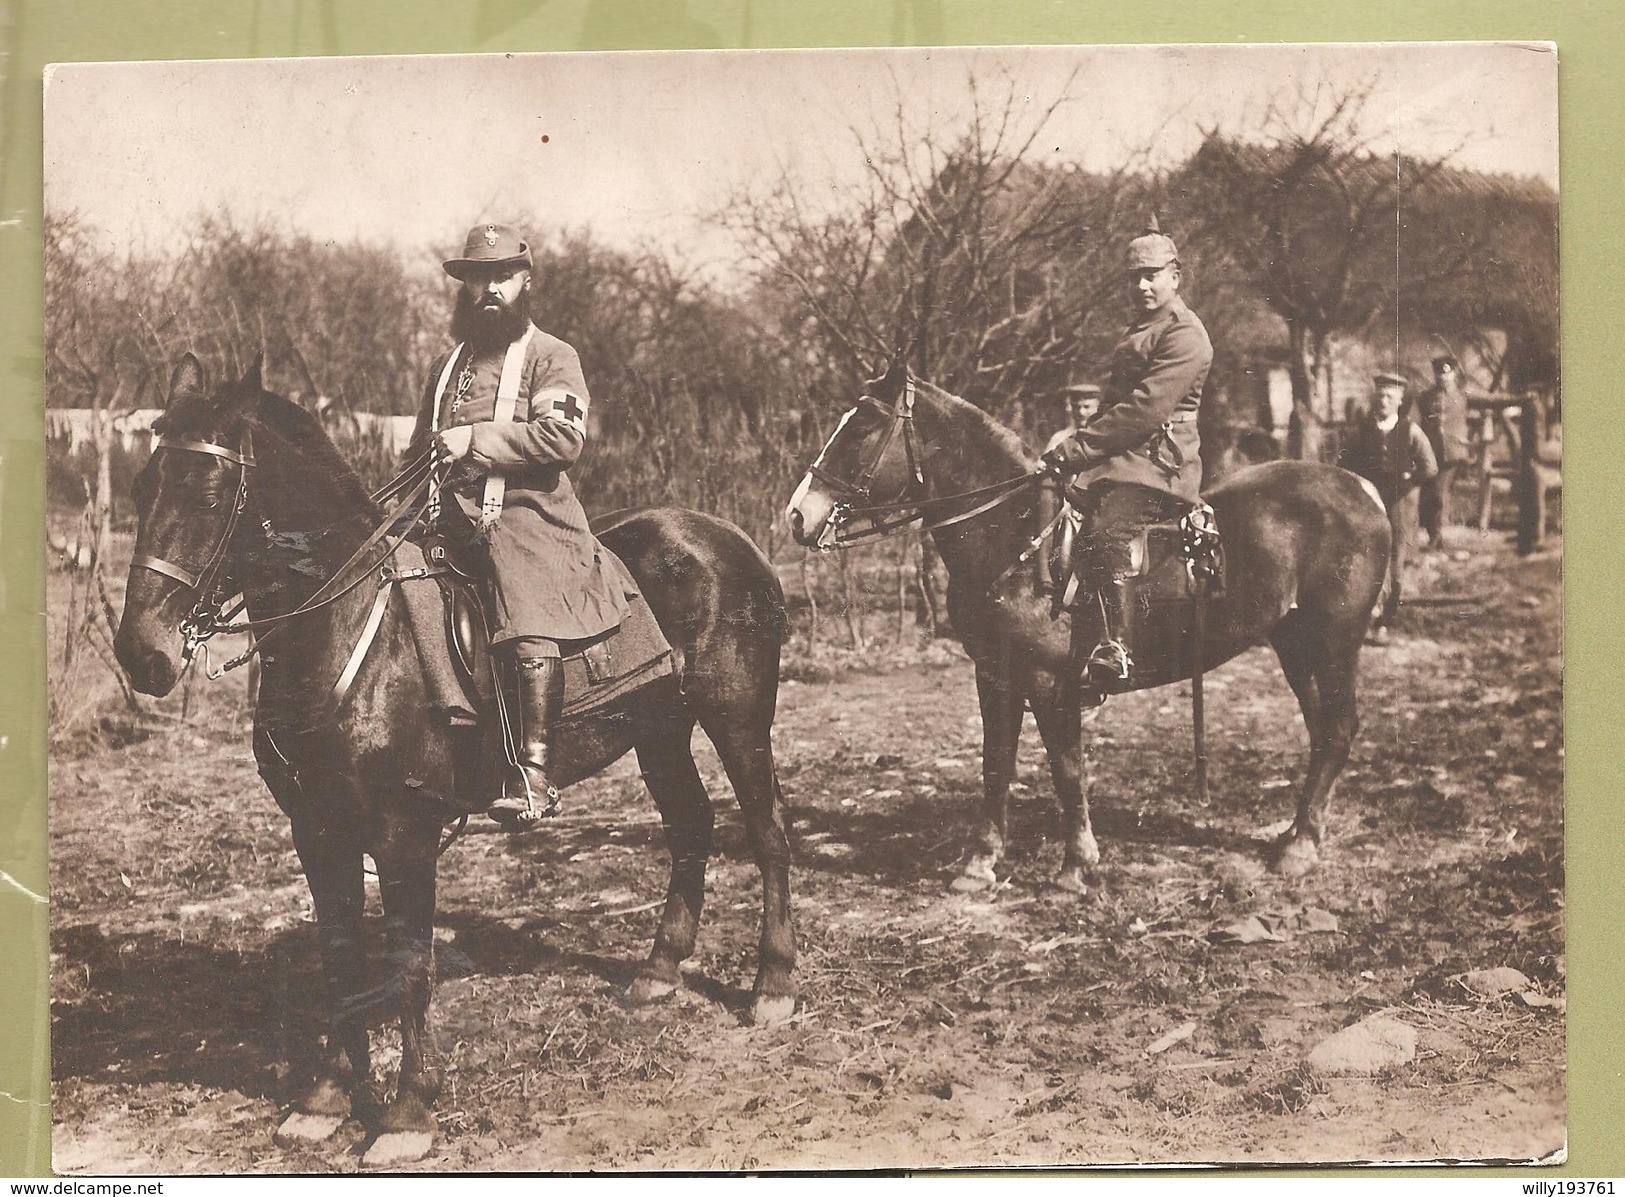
{"x": 487, "y": 328}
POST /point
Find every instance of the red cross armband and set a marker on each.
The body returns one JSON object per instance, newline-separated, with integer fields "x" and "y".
{"x": 564, "y": 406}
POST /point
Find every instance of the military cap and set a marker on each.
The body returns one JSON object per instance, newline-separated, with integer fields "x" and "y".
{"x": 1386, "y": 379}
{"x": 490, "y": 245}
{"x": 1152, "y": 249}
{"x": 1443, "y": 360}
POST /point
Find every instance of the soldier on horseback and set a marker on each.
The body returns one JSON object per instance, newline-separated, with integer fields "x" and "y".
{"x": 507, "y": 407}
{"x": 1135, "y": 461}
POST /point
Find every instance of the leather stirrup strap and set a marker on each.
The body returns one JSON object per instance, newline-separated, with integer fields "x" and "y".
{"x": 513, "y": 365}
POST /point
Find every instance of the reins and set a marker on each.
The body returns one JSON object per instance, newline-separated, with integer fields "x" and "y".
{"x": 212, "y": 615}
{"x": 1002, "y": 492}
{"x": 832, "y": 536}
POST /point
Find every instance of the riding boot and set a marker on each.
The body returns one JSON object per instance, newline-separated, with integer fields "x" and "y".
{"x": 537, "y": 692}
{"x": 1109, "y": 665}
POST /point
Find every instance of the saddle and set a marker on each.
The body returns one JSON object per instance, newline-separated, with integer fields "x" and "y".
{"x": 1167, "y": 559}
{"x": 449, "y": 628}
{"x": 1172, "y": 563}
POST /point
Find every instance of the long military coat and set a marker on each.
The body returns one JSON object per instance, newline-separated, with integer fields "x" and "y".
{"x": 1158, "y": 369}
{"x": 549, "y": 577}
{"x": 1443, "y": 415}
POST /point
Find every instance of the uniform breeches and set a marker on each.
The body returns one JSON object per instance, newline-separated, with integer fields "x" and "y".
{"x": 1402, "y": 523}
{"x": 1435, "y": 500}
{"x": 1113, "y": 515}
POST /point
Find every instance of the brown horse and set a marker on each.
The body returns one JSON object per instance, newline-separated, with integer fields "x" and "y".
{"x": 1305, "y": 550}
{"x": 238, "y": 478}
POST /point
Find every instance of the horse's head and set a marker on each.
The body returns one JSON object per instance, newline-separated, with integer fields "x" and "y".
{"x": 871, "y": 460}
{"x": 189, "y": 499}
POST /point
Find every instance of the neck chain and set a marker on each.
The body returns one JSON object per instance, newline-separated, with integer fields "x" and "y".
{"x": 465, "y": 380}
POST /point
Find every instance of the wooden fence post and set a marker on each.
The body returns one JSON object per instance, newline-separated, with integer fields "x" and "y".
{"x": 1529, "y": 497}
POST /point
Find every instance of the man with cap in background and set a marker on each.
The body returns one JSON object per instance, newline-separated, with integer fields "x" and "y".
{"x": 1389, "y": 451}
{"x": 1442, "y": 409}
{"x": 1136, "y": 461}
{"x": 507, "y": 408}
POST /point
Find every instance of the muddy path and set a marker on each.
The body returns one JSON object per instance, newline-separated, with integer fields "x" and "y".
{"x": 934, "y": 1029}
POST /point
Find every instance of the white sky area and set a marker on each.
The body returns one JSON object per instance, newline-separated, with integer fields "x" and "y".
{"x": 640, "y": 146}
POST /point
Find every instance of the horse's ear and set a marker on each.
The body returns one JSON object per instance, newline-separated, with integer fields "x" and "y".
{"x": 887, "y": 378}
{"x": 186, "y": 380}
{"x": 896, "y": 374}
{"x": 254, "y": 376}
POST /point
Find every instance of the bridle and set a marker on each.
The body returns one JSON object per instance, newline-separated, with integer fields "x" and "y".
{"x": 210, "y": 585}
{"x": 212, "y": 588}
{"x": 881, "y": 519}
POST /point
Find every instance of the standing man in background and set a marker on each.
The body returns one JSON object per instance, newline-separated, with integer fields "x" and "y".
{"x": 1389, "y": 451}
{"x": 1442, "y": 409}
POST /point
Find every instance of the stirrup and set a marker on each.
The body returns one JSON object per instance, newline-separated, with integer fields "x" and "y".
{"x": 519, "y": 815}
{"x": 1109, "y": 658}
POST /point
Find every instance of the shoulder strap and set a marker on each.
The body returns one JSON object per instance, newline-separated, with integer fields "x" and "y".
{"x": 507, "y": 406}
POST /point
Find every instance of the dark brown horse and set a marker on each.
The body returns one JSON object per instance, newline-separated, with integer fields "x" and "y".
{"x": 363, "y": 779}
{"x": 1305, "y": 550}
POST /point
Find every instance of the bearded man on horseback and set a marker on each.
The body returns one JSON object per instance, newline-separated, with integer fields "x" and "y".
{"x": 507, "y": 410}
{"x": 1136, "y": 461}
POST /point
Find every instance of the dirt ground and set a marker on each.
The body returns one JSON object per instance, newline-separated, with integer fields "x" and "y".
{"x": 934, "y": 1029}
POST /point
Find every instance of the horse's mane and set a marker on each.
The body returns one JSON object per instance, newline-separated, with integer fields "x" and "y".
{"x": 965, "y": 415}
{"x": 312, "y": 458}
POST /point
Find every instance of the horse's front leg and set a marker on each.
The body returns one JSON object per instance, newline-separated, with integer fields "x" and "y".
{"x": 1001, "y": 732}
{"x": 1058, "y": 712}
{"x": 406, "y": 881}
{"x": 331, "y": 858}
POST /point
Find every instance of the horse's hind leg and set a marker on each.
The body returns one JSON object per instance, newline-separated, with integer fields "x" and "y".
{"x": 685, "y": 810}
{"x": 1321, "y": 667}
{"x": 746, "y": 749}
{"x": 331, "y": 859}
{"x": 406, "y": 881}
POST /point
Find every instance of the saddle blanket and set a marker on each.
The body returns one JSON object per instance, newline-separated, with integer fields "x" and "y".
{"x": 596, "y": 674}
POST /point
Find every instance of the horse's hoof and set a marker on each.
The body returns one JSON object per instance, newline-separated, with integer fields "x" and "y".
{"x": 1071, "y": 881}
{"x": 771, "y": 1011}
{"x": 977, "y": 876}
{"x": 1088, "y": 850}
{"x": 644, "y": 990}
{"x": 306, "y": 1130}
{"x": 1297, "y": 857}
{"x": 394, "y": 1148}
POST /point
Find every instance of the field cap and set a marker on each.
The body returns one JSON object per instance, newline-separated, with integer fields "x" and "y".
{"x": 1152, "y": 249}
{"x": 1391, "y": 380}
{"x": 490, "y": 245}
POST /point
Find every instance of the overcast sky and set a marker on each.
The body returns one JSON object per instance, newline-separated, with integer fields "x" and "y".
{"x": 636, "y": 146}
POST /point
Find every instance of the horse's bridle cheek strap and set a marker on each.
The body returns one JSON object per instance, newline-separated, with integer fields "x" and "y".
{"x": 242, "y": 459}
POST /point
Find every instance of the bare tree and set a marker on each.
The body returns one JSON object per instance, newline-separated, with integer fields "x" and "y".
{"x": 1311, "y": 217}
{"x": 993, "y": 270}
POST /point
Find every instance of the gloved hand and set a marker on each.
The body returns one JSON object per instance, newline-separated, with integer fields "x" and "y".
{"x": 1068, "y": 457}
{"x": 456, "y": 441}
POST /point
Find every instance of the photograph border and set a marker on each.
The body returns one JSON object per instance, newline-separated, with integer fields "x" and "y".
{"x": 1590, "y": 41}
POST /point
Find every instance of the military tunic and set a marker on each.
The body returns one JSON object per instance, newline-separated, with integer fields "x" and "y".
{"x": 1158, "y": 369}
{"x": 1443, "y": 414}
{"x": 549, "y": 577}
